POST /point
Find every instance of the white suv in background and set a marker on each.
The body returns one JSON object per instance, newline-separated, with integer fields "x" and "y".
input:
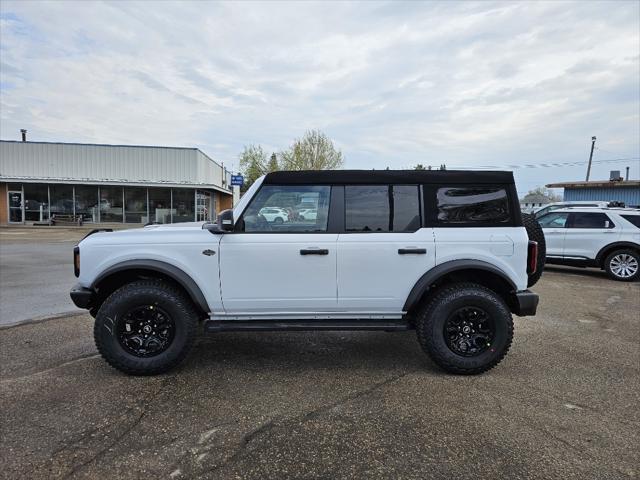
{"x": 608, "y": 238}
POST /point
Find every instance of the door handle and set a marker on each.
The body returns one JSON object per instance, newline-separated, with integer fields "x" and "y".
{"x": 314, "y": 251}
{"x": 415, "y": 251}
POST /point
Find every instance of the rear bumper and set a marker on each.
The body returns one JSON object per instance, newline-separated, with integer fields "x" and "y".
{"x": 82, "y": 297}
{"x": 525, "y": 303}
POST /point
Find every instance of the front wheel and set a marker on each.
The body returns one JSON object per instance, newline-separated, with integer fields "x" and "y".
{"x": 623, "y": 265}
{"x": 465, "y": 328}
{"x": 145, "y": 328}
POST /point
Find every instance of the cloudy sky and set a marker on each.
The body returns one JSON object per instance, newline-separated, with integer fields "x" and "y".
{"x": 393, "y": 84}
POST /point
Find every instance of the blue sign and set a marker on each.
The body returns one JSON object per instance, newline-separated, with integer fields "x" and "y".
{"x": 237, "y": 180}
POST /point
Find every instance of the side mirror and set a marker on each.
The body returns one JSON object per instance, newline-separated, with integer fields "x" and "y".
{"x": 225, "y": 220}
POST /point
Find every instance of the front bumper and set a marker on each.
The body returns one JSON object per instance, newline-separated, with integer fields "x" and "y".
{"x": 525, "y": 303}
{"x": 81, "y": 296}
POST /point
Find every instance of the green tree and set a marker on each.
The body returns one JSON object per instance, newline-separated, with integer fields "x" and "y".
{"x": 314, "y": 151}
{"x": 272, "y": 166}
{"x": 419, "y": 167}
{"x": 253, "y": 163}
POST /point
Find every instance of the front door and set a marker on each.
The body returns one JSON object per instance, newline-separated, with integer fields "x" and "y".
{"x": 283, "y": 263}
{"x": 384, "y": 251}
{"x": 554, "y": 228}
{"x": 15, "y": 207}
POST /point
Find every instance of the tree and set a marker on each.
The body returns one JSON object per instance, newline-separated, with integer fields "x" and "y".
{"x": 314, "y": 151}
{"x": 272, "y": 166}
{"x": 543, "y": 192}
{"x": 419, "y": 167}
{"x": 253, "y": 163}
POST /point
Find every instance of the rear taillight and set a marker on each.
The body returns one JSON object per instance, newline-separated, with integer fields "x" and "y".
{"x": 532, "y": 257}
{"x": 76, "y": 261}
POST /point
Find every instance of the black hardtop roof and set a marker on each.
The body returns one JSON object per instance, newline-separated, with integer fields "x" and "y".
{"x": 369, "y": 177}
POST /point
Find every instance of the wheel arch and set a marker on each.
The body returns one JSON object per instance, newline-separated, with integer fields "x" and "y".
{"x": 125, "y": 272}
{"x": 606, "y": 250}
{"x": 476, "y": 271}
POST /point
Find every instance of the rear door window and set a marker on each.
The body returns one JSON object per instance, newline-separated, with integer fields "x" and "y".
{"x": 590, "y": 220}
{"x": 472, "y": 205}
{"x": 382, "y": 208}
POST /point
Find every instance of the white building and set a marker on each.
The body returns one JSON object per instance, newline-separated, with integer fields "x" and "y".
{"x": 41, "y": 181}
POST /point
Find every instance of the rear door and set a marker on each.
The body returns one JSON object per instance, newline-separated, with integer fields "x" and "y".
{"x": 587, "y": 233}
{"x": 554, "y": 227}
{"x": 384, "y": 250}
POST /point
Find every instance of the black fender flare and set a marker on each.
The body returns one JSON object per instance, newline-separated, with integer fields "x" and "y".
{"x": 424, "y": 283}
{"x": 171, "y": 271}
{"x": 614, "y": 246}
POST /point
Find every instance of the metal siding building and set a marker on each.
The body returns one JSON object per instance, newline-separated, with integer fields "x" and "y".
{"x": 39, "y": 180}
{"x": 620, "y": 191}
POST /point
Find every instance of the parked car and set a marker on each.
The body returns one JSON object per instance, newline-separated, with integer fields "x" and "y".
{"x": 274, "y": 214}
{"x": 550, "y": 207}
{"x": 308, "y": 213}
{"x": 606, "y": 238}
{"x": 451, "y": 257}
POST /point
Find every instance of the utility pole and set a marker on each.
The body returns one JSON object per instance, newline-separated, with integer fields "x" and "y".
{"x": 593, "y": 144}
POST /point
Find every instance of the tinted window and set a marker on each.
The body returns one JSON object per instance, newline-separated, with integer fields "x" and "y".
{"x": 472, "y": 205}
{"x": 382, "y": 208}
{"x": 367, "y": 208}
{"x": 590, "y": 220}
{"x": 284, "y": 209}
{"x": 635, "y": 219}
{"x": 553, "y": 220}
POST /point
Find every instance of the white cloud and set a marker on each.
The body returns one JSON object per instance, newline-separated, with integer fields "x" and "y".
{"x": 394, "y": 84}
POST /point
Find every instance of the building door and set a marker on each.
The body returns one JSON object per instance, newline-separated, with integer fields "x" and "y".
{"x": 15, "y": 207}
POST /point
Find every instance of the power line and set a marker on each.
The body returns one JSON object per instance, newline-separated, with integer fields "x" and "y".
{"x": 547, "y": 165}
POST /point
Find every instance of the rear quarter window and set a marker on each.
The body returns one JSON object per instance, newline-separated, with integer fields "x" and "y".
{"x": 473, "y": 205}
{"x": 634, "y": 219}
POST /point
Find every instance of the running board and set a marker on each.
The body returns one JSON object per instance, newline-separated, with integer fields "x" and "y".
{"x": 212, "y": 326}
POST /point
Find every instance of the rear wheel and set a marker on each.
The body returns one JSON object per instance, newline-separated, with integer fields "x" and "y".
{"x": 535, "y": 233}
{"x": 465, "y": 328}
{"x": 623, "y": 265}
{"x": 145, "y": 328}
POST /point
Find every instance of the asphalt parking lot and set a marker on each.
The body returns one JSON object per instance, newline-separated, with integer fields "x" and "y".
{"x": 563, "y": 404}
{"x": 36, "y": 272}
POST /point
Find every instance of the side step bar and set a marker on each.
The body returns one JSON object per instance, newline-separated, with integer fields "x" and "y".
{"x": 212, "y": 326}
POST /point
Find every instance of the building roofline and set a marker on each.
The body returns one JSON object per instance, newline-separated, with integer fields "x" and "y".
{"x": 597, "y": 184}
{"x": 113, "y": 145}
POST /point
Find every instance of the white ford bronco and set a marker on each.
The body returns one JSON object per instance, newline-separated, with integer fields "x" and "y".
{"x": 447, "y": 253}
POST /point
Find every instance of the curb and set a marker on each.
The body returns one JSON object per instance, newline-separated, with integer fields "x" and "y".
{"x": 41, "y": 319}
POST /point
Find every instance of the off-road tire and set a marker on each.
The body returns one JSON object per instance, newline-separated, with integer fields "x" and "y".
{"x": 431, "y": 320}
{"x": 535, "y": 233}
{"x": 612, "y": 255}
{"x": 145, "y": 292}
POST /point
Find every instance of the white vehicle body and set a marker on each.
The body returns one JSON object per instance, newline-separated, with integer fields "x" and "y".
{"x": 444, "y": 253}
{"x": 550, "y": 207}
{"x": 264, "y": 275}
{"x": 583, "y": 236}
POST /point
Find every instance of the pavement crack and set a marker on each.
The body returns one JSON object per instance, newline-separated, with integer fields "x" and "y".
{"x": 250, "y": 436}
{"x": 136, "y": 421}
{"x": 46, "y": 370}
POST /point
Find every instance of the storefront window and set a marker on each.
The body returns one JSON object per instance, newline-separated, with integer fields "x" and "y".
{"x": 111, "y": 204}
{"x": 87, "y": 202}
{"x": 135, "y": 205}
{"x": 160, "y": 205}
{"x": 36, "y": 202}
{"x": 183, "y": 205}
{"x": 61, "y": 199}
{"x": 204, "y": 206}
